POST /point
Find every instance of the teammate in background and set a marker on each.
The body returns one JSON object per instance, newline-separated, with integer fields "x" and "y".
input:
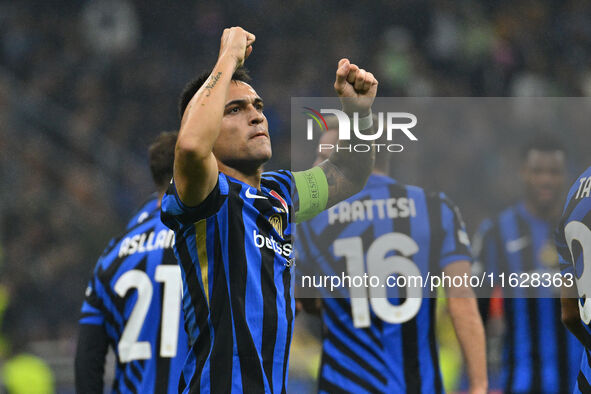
{"x": 233, "y": 222}
{"x": 133, "y": 301}
{"x": 573, "y": 240}
{"x": 390, "y": 348}
{"x": 539, "y": 354}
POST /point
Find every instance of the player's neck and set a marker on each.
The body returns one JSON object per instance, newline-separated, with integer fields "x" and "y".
{"x": 549, "y": 214}
{"x": 160, "y": 196}
{"x": 252, "y": 178}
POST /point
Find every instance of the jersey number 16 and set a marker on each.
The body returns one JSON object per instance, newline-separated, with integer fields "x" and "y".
{"x": 382, "y": 267}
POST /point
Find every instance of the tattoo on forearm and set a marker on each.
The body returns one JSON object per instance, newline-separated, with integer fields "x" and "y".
{"x": 340, "y": 186}
{"x": 214, "y": 80}
{"x": 346, "y": 172}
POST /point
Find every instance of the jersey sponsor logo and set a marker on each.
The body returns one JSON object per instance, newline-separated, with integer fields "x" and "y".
{"x": 250, "y": 195}
{"x": 361, "y": 210}
{"x": 146, "y": 242}
{"x": 262, "y": 241}
{"x": 277, "y": 224}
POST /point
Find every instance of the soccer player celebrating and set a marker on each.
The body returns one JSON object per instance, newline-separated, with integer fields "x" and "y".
{"x": 573, "y": 240}
{"x": 393, "y": 349}
{"x": 233, "y": 222}
{"x": 133, "y": 301}
{"x": 540, "y": 355}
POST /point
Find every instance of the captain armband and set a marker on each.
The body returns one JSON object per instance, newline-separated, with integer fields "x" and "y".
{"x": 313, "y": 193}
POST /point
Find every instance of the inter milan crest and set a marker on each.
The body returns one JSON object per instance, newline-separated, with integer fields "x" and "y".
{"x": 277, "y": 224}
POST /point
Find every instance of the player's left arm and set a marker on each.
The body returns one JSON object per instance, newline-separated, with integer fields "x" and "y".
{"x": 455, "y": 260}
{"x": 93, "y": 343}
{"x": 91, "y": 353}
{"x": 344, "y": 173}
{"x": 468, "y": 326}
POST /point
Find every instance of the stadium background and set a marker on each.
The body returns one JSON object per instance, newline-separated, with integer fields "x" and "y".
{"x": 85, "y": 86}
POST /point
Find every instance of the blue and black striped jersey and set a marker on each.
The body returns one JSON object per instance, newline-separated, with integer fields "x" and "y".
{"x": 135, "y": 295}
{"x": 236, "y": 258}
{"x": 573, "y": 240}
{"x": 147, "y": 209}
{"x": 539, "y": 355}
{"x": 390, "y": 347}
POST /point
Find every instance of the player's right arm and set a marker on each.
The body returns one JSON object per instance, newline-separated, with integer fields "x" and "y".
{"x": 195, "y": 167}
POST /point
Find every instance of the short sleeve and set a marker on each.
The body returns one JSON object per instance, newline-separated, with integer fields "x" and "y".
{"x": 175, "y": 214}
{"x": 147, "y": 209}
{"x": 91, "y": 312}
{"x": 484, "y": 247}
{"x": 564, "y": 256}
{"x": 455, "y": 244}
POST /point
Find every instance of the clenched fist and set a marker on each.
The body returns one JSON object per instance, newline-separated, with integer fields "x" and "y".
{"x": 355, "y": 87}
{"x": 236, "y": 43}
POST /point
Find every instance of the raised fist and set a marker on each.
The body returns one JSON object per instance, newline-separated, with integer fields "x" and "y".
{"x": 236, "y": 43}
{"x": 355, "y": 87}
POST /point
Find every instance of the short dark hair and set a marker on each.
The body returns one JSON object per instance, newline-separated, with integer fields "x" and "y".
{"x": 543, "y": 142}
{"x": 241, "y": 74}
{"x": 161, "y": 154}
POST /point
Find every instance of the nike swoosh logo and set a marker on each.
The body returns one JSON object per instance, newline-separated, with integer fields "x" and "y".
{"x": 250, "y": 195}
{"x": 517, "y": 244}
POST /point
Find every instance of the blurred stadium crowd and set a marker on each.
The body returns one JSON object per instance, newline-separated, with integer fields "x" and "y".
{"x": 84, "y": 86}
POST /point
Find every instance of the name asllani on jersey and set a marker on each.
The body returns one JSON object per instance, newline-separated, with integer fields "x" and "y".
{"x": 390, "y": 208}
{"x": 146, "y": 242}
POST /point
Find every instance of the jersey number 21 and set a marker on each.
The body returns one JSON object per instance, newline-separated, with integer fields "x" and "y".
{"x": 129, "y": 348}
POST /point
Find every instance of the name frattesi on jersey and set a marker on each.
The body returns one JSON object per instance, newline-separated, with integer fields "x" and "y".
{"x": 146, "y": 242}
{"x": 389, "y": 208}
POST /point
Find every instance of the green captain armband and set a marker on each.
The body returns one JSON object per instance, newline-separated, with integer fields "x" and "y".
{"x": 313, "y": 193}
